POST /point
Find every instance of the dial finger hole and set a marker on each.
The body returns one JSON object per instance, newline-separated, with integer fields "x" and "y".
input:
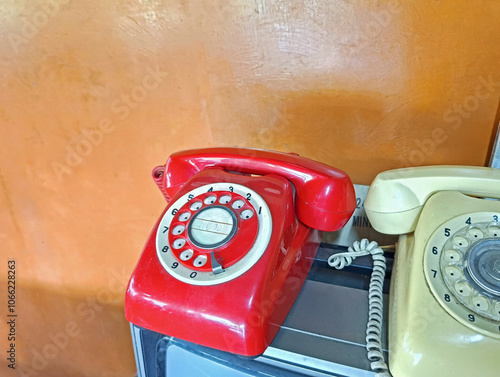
{"x": 452, "y": 255}
{"x": 246, "y": 214}
{"x": 200, "y": 261}
{"x": 210, "y": 199}
{"x": 481, "y": 302}
{"x": 178, "y": 243}
{"x": 195, "y": 206}
{"x": 460, "y": 241}
{"x": 463, "y": 289}
{"x": 184, "y": 216}
{"x": 238, "y": 204}
{"x": 186, "y": 254}
{"x": 496, "y": 310}
{"x": 224, "y": 199}
{"x": 178, "y": 230}
{"x": 494, "y": 231}
{"x": 453, "y": 272}
{"x": 475, "y": 233}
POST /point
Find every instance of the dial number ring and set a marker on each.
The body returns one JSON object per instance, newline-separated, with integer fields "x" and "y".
{"x": 448, "y": 254}
{"x": 210, "y": 228}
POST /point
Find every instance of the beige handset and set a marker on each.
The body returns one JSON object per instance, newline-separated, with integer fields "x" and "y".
{"x": 396, "y": 197}
{"x": 444, "y": 302}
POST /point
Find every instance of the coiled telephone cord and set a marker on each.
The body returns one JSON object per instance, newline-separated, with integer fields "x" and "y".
{"x": 375, "y": 298}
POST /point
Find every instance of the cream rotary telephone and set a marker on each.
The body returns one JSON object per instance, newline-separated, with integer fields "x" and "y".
{"x": 444, "y": 303}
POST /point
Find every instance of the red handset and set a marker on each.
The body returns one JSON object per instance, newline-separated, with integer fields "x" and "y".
{"x": 325, "y": 197}
{"x": 227, "y": 258}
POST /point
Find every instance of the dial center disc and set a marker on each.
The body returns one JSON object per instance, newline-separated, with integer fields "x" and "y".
{"x": 212, "y": 227}
{"x": 484, "y": 264}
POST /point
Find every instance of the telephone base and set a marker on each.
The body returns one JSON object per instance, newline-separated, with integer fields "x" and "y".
{"x": 322, "y": 335}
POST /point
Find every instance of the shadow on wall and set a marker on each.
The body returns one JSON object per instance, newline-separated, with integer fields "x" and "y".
{"x": 346, "y": 127}
{"x": 327, "y": 124}
{"x": 74, "y": 334}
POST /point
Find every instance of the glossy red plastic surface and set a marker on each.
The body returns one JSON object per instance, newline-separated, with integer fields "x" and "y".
{"x": 244, "y": 314}
{"x": 325, "y": 197}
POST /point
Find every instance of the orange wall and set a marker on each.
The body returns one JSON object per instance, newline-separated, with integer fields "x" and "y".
{"x": 96, "y": 93}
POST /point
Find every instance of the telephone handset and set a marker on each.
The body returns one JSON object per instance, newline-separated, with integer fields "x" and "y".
{"x": 444, "y": 301}
{"x": 229, "y": 254}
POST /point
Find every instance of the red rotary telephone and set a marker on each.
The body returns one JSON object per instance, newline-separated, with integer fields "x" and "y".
{"x": 229, "y": 254}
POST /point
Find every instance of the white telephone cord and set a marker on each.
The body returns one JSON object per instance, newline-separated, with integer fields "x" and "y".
{"x": 375, "y": 298}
